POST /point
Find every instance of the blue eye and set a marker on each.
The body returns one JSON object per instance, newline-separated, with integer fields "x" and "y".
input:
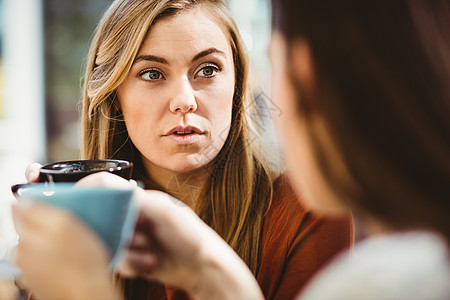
{"x": 208, "y": 71}
{"x": 151, "y": 75}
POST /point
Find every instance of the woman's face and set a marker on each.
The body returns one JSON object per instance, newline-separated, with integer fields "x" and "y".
{"x": 177, "y": 98}
{"x": 297, "y": 147}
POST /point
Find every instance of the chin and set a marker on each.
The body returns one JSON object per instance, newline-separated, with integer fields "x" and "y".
{"x": 186, "y": 164}
{"x": 183, "y": 168}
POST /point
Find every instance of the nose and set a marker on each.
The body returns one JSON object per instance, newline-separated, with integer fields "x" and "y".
{"x": 183, "y": 98}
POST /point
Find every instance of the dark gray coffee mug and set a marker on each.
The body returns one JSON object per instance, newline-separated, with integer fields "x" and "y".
{"x": 74, "y": 170}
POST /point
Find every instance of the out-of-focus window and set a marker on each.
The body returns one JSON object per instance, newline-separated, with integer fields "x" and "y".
{"x": 22, "y": 134}
{"x": 253, "y": 20}
{"x": 1, "y": 61}
{"x": 69, "y": 26}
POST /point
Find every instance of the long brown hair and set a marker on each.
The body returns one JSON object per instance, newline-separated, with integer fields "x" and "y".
{"x": 239, "y": 190}
{"x": 382, "y": 70}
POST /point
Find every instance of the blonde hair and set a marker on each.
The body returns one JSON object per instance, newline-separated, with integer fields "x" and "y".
{"x": 238, "y": 193}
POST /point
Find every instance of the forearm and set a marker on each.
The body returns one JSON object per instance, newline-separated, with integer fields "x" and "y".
{"x": 225, "y": 276}
{"x": 99, "y": 288}
{"x": 92, "y": 288}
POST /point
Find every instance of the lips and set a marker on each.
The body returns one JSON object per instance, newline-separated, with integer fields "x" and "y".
{"x": 185, "y": 135}
{"x": 184, "y": 130}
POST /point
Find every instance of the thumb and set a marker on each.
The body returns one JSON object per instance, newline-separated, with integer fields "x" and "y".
{"x": 32, "y": 172}
{"x": 157, "y": 204}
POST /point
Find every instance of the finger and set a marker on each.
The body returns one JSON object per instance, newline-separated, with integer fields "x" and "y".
{"x": 21, "y": 282}
{"x": 161, "y": 208}
{"x": 154, "y": 202}
{"x": 39, "y": 223}
{"x": 138, "y": 263}
{"x": 29, "y": 227}
{"x": 105, "y": 179}
{"x": 43, "y": 236}
{"x": 35, "y": 215}
{"x": 21, "y": 220}
{"x": 32, "y": 172}
{"x": 125, "y": 270}
{"x": 139, "y": 242}
{"x": 29, "y": 249}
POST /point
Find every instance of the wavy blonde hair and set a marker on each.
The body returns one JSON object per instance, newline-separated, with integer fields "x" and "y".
{"x": 239, "y": 192}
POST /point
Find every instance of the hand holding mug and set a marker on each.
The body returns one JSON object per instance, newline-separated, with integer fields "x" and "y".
{"x": 60, "y": 257}
{"x": 173, "y": 245}
{"x": 70, "y": 234}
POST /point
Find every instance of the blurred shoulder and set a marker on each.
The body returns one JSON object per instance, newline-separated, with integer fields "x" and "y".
{"x": 409, "y": 265}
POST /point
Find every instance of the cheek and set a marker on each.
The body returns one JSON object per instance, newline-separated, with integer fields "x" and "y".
{"x": 290, "y": 130}
{"x": 219, "y": 103}
{"x": 131, "y": 115}
{"x": 299, "y": 153}
{"x": 294, "y": 143}
{"x": 140, "y": 112}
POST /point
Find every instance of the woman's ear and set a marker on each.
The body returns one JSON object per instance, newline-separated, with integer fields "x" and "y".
{"x": 302, "y": 73}
{"x": 302, "y": 65}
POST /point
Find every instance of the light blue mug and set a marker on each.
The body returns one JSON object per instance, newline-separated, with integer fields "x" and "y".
{"x": 110, "y": 213}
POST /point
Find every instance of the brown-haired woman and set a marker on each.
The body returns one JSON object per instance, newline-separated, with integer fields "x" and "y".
{"x": 166, "y": 87}
{"x": 366, "y": 84}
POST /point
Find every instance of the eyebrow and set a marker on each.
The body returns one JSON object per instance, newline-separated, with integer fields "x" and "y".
{"x": 151, "y": 58}
{"x": 164, "y": 61}
{"x": 207, "y": 52}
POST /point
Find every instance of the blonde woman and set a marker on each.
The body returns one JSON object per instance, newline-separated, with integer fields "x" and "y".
{"x": 166, "y": 87}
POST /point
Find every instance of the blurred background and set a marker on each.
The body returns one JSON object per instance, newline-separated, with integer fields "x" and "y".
{"x": 43, "y": 45}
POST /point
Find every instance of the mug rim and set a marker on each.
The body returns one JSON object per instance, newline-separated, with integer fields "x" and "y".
{"x": 69, "y": 187}
{"x": 121, "y": 165}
